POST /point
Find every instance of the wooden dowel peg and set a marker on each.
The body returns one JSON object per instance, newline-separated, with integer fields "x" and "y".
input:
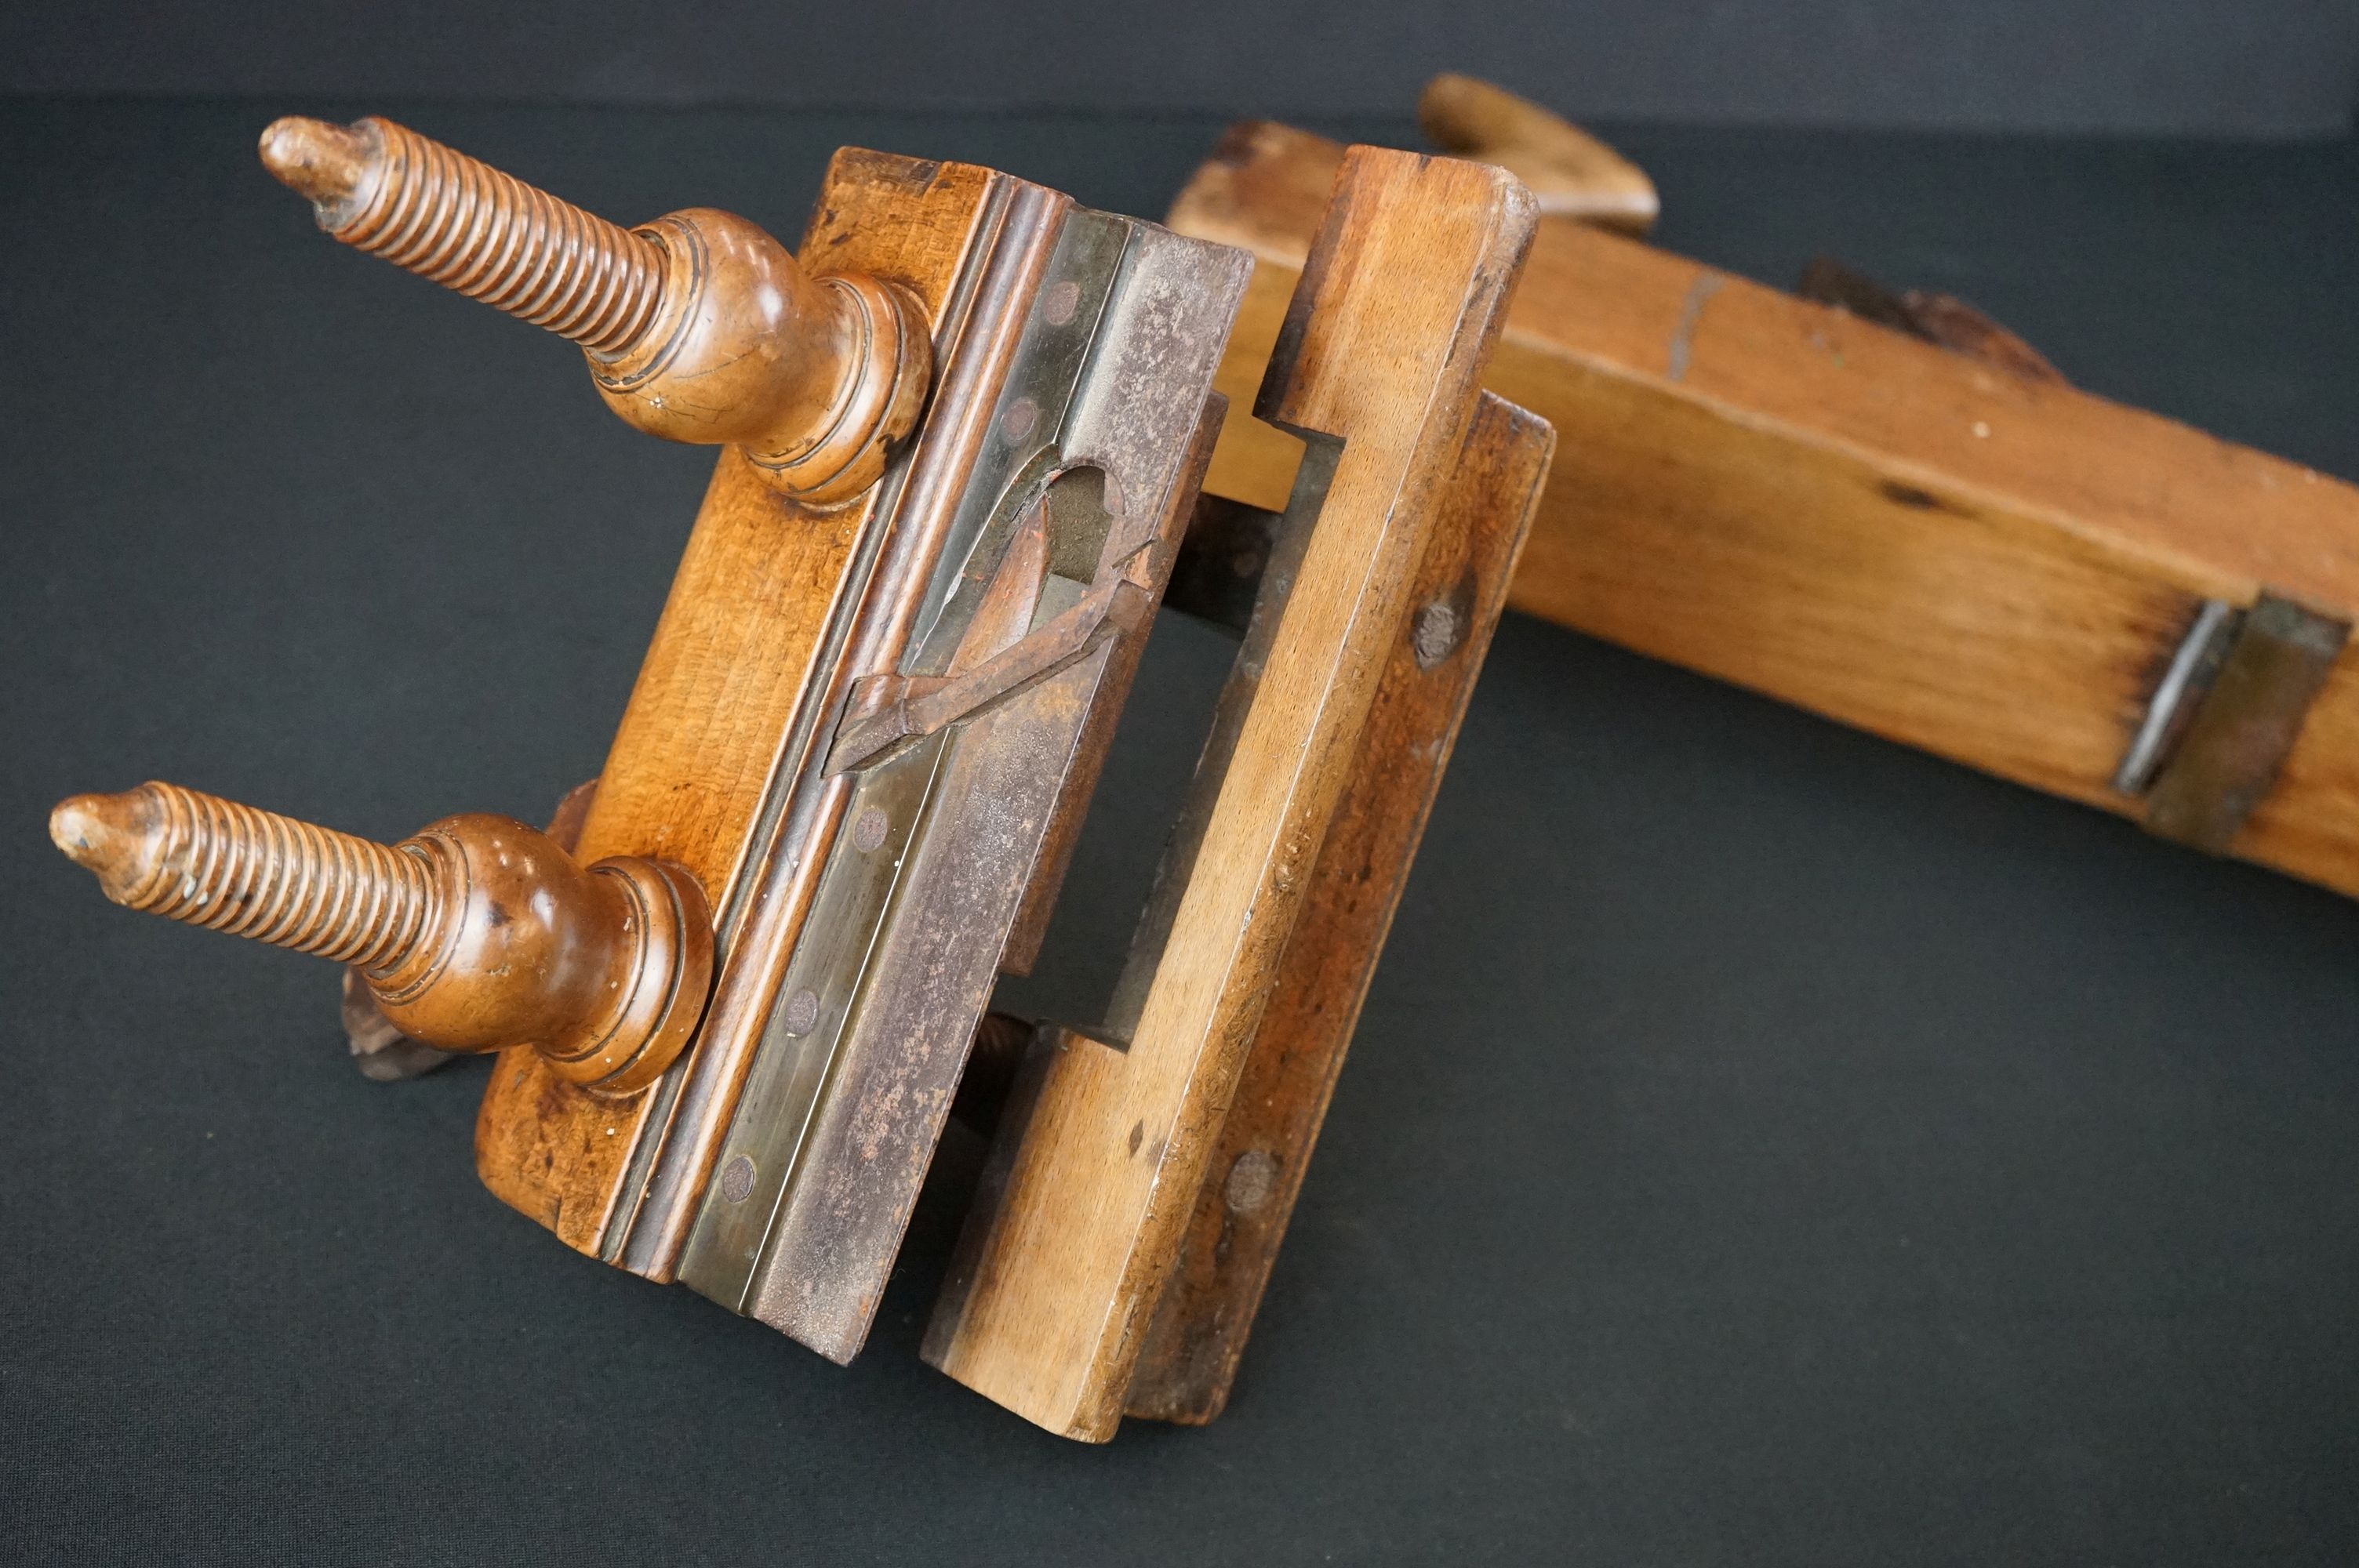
{"x": 699, "y": 327}
{"x": 476, "y": 934}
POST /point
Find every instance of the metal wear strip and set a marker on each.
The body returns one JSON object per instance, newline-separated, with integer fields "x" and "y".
{"x": 816, "y": 998}
{"x": 1026, "y": 424}
{"x": 2246, "y": 725}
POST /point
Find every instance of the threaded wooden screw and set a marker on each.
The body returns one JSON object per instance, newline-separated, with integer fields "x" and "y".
{"x": 475, "y": 934}
{"x": 208, "y": 862}
{"x": 382, "y": 188}
{"x": 699, "y": 327}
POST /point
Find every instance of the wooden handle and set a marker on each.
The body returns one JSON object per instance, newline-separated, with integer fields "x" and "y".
{"x": 1571, "y": 173}
{"x": 699, "y": 327}
{"x": 476, "y": 934}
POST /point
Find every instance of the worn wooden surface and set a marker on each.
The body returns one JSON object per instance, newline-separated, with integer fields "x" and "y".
{"x": 731, "y": 660}
{"x": 1942, "y": 320}
{"x": 1065, "y": 1254}
{"x": 1207, "y": 1307}
{"x": 1570, "y": 173}
{"x": 1989, "y": 566}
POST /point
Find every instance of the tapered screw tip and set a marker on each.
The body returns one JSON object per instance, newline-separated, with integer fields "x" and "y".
{"x": 326, "y": 163}
{"x": 112, "y": 835}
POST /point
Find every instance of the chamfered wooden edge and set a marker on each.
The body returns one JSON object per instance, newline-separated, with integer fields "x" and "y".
{"x": 1207, "y": 1307}
{"x": 1769, "y": 490}
{"x": 1082, "y": 1216}
{"x": 731, "y": 660}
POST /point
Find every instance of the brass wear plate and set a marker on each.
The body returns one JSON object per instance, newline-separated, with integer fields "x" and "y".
{"x": 814, "y": 1010}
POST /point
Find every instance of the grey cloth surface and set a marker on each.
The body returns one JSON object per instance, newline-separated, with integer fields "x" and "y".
{"x": 1763, "y": 1144}
{"x": 2265, "y": 68}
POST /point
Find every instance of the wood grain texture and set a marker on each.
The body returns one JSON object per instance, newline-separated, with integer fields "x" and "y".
{"x": 1207, "y": 1307}
{"x": 1570, "y": 172}
{"x": 1381, "y": 351}
{"x": 731, "y": 660}
{"x": 1985, "y": 566}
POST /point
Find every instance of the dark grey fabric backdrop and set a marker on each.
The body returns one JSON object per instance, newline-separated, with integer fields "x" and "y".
{"x": 1763, "y": 1145}
{"x": 2224, "y": 67}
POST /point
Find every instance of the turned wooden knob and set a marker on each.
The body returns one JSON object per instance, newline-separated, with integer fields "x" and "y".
{"x": 476, "y": 934}
{"x": 699, "y": 327}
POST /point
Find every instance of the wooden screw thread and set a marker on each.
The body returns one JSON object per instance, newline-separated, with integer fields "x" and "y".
{"x": 207, "y": 861}
{"x": 382, "y": 188}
